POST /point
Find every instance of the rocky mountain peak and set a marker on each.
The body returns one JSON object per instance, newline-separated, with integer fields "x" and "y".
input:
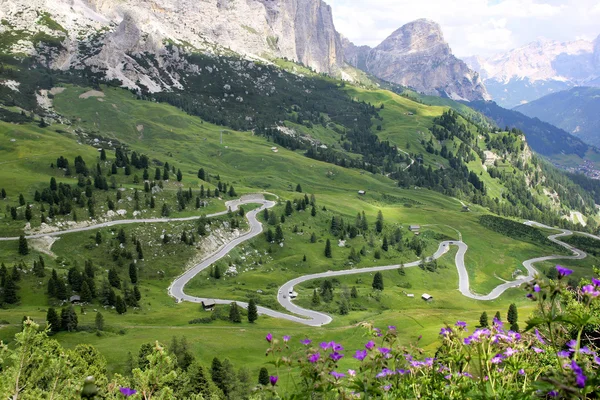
{"x": 416, "y": 55}
{"x": 422, "y": 35}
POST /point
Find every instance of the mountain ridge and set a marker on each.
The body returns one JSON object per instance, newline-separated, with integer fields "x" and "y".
{"x": 417, "y": 56}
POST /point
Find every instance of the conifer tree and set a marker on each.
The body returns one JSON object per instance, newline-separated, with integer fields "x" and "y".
{"x": 3, "y": 193}
{"x": 316, "y": 300}
{"x": 10, "y": 290}
{"x": 263, "y": 377}
{"x": 99, "y": 322}
{"x": 497, "y": 316}
{"x": 86, "y": 294}
{"x": 179, "y": 175}
{"x": 328, "y": 248}
{"x": 234, "y": 313}
{"x": 216, "y": 372}
{"x": 379, "y": 222}
{"x": 102, "y": 155}
{"x": 252, "y": 311}
{"x": 113, "y": 278}
{"x": 202, "y": 174}
{"x": 23, "y": 247}
{"x": 98, "y": 237}
{"x": 136, "y": 293}
{"x": 385, "y": 245}
{"x": 133, "y": 276}
{"x": 53, "y": 320}
{"x": 298, "y": 188}
{"x": 513, "y": 317}
{"x": 68, "y": 318}
{"x": 313, "y": 238}
{"x": 232, "y": 192}
{"x": 483, "y": 320}
{"x": 378, "y": 281}
{"x": 120, "y": 305}
{"x": 288, "y": 208}
{"x": 165, "y": 210}
{"x": 354, "y": 292}
{"x": 278, "y": 234}
{"x": 313, "y": 211}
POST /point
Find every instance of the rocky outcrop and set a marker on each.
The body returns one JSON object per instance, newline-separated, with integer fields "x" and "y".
{"x": 109, "y": 35}
{"x": 417, "y": 56}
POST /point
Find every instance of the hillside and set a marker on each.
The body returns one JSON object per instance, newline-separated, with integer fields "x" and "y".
{"x": 559, "y": 146}
{"x": 115, "y": 189}
{"x": 574, "y": 110}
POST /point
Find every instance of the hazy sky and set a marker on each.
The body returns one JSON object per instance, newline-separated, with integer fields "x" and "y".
{"x": 472, "y": 27}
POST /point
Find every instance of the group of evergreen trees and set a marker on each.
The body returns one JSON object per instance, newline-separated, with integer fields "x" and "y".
{"x": 8, "y": 284}
{"x": 512, "y": 317}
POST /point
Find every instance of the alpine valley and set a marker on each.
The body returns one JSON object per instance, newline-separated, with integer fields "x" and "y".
{"x": 186, "y": 184}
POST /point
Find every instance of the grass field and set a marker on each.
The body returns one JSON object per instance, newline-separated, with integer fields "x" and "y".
{"x": 247, "y": 162}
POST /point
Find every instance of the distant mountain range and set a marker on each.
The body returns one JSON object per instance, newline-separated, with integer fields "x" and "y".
{"x": 417, "y": 56}
{"x": 537, "y": 69}
{"x": 577, "y": 111}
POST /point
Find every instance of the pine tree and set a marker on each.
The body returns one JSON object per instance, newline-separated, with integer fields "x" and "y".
{"x": 136, "y": 294}
{"x": 278, "y": 234}
{"x": 384, "y": 246}
{"x": 232, "y": 192}
{"x": 513, "y": 317}
{"x": 179, "y": 175}
{"x": 497, "y": 316}
{"x": 113, "y": 278}
{"x": 313, "y": 211}
{"x": 10, "y": 290}
{"x": 99, "y": 322}
{"x": 86, "y": 294}
{"x": 23, "y": 247}
{"x": 263, "y": 377}
{"x": 165, "y": 210}
{"x": 39, "y": 268}
{"x": 216, "y": 372}
{"x": 3, "y": 193}
{"x": 252, "y": 311}
{"x": 133, "y": 276}
{"x": 298, "y": 188}
{"x": 313, "y": 238}
{"x": 217, "y": 272}
{"x": 378, "y": 281}
{"x": 120, "y": 305}
{"x": 28, "y": 213}
{"x": 202, "y": 174}
{"x": 328, "y": 249}
{"x": 354, "y": 292}
{"x": 379, "y": 222}
{"x": 138, "y": 249}
{"x": 483, "y": 320}
{"x": 102, "y": 155}
{"x": 98, "y": 237}
{"x": 289, "y": 209}
{"x": 234, "y": 313}
{"x": 53, "y": 320}
{"x": 316, "y": 300}
{"x": 68, "y": 318}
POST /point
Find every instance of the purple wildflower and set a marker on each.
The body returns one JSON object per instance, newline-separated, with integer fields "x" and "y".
{"x": 306, "y": 342}
{"x": 313, "y": 358}
{"x": 273, "y": 380}
{"x": 497, "y": 323}
{"x": 448, "y": 377}
{"x": 537, "y": 350}
{"x": 585, "y": 350}
{"x": 497, "y": 359}
{"x": 360, "y": 355}
{"x": 377, "y": 331}
{"x": 468, "y": 375}
{"x": 536, "y": 288}
{"x": 562, "y": 271}
{"x": 521, "y": 371}
{"x": 468, "y": 340}
{"x": 391, "y": 328}
{"x": 564, "y": 354}
{"x": 428, "y": 362}
{"x": 403, "y": 371}
{"x": 510, "y": 351}
{"x": 351, "y": 372}
{"x": 596, "y": 282}
{"x": 553, "y": 393}
{"x": 572, "y": 344}
{"x": 335, "y": 356}
{"x": 539, "y": 337}
{"x": 461, "y": 324}
{"x": 529, "y": 296}
{"x": 336, "y": 346}
{"x": 384, "y": 350}
{"x": 286, "y": 338}
{"x": 269, "y": 337}
{"x": 387, "y": 387}
{"x": 590, "y": 290}
{"x": 385, "y": 372}
{"x": 445, "y": 331}
{"x": 370, "y": 345}
{"x": 125, "y": 391}
{"x": 597, "y": 360}
{"x": 580, "y": 377}
{"x": 325, "y": 345}
{"x": 337, "y": 375}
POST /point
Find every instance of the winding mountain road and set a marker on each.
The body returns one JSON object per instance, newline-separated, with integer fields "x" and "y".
{"x": 310, "y": 317}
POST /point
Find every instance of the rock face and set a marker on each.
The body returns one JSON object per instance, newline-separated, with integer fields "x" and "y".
{"x": 417, "y": 56}
{"x": 108, "y": 35}
{"x": 538, "y": 69}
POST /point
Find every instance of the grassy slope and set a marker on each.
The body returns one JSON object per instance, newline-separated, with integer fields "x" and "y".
{"x": 248, "y": 163}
